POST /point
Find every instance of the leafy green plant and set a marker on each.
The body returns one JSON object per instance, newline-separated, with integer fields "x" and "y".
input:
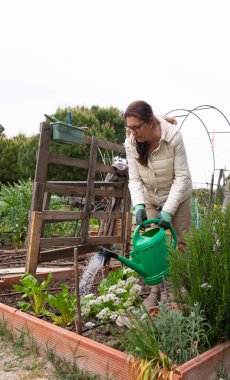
{"x": 203, "y": 273}
{"x": 15, "y": 201}
{"x": 65, "y": 303}
{"x": 142, "y": 342}
{"x": 118, "y": 294}
{"x": 170, "y": 338}
{"x": 181, "y": 336}
{"x": 34, "y": 291}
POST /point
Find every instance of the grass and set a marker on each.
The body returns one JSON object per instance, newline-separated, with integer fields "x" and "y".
{"x": 25, "y": 346}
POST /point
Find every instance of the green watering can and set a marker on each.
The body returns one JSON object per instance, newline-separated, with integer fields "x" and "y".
{"x": 149, "y": 256}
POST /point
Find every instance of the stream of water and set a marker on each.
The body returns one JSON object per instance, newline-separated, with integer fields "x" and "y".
{"x": 95, "y": 264}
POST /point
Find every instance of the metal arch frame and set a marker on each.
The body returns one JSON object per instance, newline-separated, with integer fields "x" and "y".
{"x": 194, "y": 114}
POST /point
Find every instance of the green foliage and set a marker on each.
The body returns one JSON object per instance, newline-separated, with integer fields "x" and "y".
{"x": 9, "y": 166}
{"x": 142, "y": 342}
{"x": 203, "y": 273}
{"x": 27, "y": 157}
{"x": 2, "y": 130}
{"x": 65, "y": 303}
{"x": 18, "y": 154}
{"x": 201, "y": 198}
{"x": 119, "y": 294}
{"x": 181, "y": 337}
{"x": 34, "y": 291}
{"x": 113, "y": 278}
{"x": 171, "y": 339}
{"x": 15, "y": 201}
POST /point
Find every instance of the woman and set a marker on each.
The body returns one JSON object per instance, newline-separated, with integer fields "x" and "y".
{"x": 159, "y": 177}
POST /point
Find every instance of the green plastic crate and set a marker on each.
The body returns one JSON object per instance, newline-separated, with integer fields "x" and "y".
{"x": 67, "y": 134}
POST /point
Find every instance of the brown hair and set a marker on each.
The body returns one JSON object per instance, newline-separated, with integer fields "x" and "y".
{"x": 142, "y": 111}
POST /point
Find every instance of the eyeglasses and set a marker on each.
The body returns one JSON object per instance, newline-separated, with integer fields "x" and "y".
{"x": 135, "y": 128}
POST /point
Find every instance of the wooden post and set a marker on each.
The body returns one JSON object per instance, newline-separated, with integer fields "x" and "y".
{"x": 78, "y": 319}
{"x": 34, "y": 242}
{"x": 89, "y": 191}
{"x": 128, "y": 232}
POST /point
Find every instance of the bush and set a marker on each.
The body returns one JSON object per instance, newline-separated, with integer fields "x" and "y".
{"x": 203, "y": 273}
{"x": 15, "y": 201}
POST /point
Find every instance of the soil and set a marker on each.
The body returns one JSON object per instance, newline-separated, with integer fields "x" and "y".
{"x": 22, "y": 365}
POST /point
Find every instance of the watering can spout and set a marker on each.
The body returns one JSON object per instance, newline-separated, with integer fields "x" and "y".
{"x": 107, "y": 255}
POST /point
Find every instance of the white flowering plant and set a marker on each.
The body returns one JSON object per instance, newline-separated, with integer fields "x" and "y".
{"x": 118, "y": 295}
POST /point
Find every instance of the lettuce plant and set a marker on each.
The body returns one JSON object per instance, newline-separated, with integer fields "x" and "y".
{"x": 34, "y": 291}
{"x": 65, "y": 303}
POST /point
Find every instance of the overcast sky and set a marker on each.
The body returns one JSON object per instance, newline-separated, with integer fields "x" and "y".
{"x": 173, "y": 54}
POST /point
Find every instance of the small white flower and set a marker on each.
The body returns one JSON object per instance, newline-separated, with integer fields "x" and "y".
{"x": 135, "y": 289}
{"x": 89, "y": 324}
{"x": 206, "y": 286}
{"x": 104, "y": 313}
{"x": 132, "y": 309}
{"x": 131, "y": 280}
{"x": 99, "y": 301}
{"x": 120, "y": 291}
{"x": 92, "y": 302}
{"x": 117, "y": 302}
{"x": 127, "y": 303}
{"x": 111, "y": 297}
{"x": 128, "y": 270}
{"x": 144, "y": 316}
{"x": 121, "y": 283}
{"x": 112, "y": 288}
{"x": 113, "y": 316}
{"x": 90, "y": 295}
{"x": 85, "y": 310}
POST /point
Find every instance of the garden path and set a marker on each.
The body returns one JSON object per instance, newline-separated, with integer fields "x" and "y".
{"x": 19, "y": 364}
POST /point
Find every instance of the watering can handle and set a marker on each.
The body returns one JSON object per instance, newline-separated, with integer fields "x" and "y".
{"x": 156, "y": 221}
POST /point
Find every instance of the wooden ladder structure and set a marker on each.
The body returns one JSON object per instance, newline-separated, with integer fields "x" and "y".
{"x": 42, "y": 249}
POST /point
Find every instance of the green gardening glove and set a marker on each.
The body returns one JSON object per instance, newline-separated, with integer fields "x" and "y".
{"x": 164, "y": 219}
{"x": 140, "y": 214}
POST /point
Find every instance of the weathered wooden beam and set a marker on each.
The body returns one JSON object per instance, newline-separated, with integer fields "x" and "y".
{"x": 69, "y": 161}
{"x": 59, "y": 242}
{"x": 54, "y": 216}
{"x": 89, "y": 191}
{"x": 43, "y": 153}
{"x": 34, "y": 242}
{"x": 65, "y": 252}
{"x": 81, "y": 191}
{"x": 76, "y": 162}
{"x": 70, "y": 241}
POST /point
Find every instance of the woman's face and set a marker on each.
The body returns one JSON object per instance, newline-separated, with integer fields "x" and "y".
{"x": 139, "y": 129}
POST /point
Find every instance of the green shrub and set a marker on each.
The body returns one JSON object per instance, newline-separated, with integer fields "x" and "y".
{"x": 203, "y": 273}
{"x": 15, "y": 201}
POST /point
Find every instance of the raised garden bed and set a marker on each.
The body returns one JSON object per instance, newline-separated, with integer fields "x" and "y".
{"x": 99, "y": 358}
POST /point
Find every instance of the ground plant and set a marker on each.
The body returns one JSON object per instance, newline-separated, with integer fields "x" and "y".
{"x": 118, "y": 294}
{"x": 34, "y": 294}
{"x": 202, "y": 273}
{"x": 165, "y": 340}
{"x": 15, "y": 201}
{"x": 65, "y": 304}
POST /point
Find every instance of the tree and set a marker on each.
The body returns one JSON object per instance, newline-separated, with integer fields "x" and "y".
{"x": 18, "y": 154}
{"x": 2, "y": 129}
